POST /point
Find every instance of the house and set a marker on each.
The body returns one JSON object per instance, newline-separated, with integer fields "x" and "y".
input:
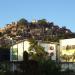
{"x": 16, "y": 51}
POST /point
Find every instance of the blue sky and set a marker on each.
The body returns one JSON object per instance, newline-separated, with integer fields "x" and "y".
{"x": 61, "y": 12}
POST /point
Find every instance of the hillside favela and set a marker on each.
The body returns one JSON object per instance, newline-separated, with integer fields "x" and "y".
{"x": 39, "y": 47}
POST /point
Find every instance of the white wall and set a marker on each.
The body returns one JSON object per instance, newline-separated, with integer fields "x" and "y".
{"x": 20, "y": 47}
{"x": 47, "y": 49}
{"x": 24, "y": 46}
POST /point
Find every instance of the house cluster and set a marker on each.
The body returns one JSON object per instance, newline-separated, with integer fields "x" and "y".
{"x": 9, "y": 28}
{"x": 20, "y": 30}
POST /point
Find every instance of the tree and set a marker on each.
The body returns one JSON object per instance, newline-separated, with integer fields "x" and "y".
{"x": 42, "y": 22}
{"x": 37, "y": 51}
{"x": 22, "y": 22}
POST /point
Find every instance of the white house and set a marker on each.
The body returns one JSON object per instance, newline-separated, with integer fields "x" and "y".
{"x": 16, "y": 51}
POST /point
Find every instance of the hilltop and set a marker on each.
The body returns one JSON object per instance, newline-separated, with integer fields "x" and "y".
{"x": 40, "y": 30}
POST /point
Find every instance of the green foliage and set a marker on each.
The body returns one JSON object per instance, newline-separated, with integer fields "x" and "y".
{"x": 22, "y": 22}
{"x": 37, "y": 52}
{"x": 42, "y": 22}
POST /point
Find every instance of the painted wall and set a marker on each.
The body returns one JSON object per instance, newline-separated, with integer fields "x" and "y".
{"x": 67, "y": 50}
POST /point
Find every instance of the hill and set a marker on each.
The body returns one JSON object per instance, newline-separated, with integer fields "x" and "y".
{"x": 40, "y": 30}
